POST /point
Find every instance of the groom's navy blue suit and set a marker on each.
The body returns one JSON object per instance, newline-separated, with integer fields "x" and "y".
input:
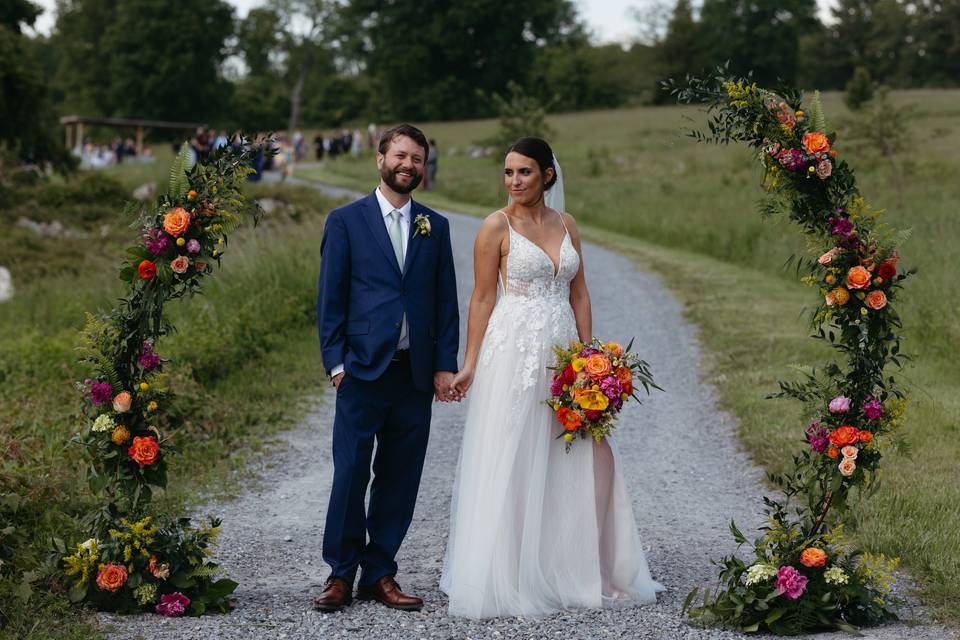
{"x": 385, "y": 395}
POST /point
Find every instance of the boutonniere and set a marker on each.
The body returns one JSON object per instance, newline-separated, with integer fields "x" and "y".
{"x": 423, "y": 225}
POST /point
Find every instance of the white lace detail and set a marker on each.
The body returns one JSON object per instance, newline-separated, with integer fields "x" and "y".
{"x": 533, "y": 312}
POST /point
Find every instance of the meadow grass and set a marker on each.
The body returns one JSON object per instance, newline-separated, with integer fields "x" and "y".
{"x": 688, "y": 212}
{"x": 244, "y": 361}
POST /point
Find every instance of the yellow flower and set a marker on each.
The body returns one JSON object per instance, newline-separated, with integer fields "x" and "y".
{"x": 568, "y": 437}
{"x": 181, "y": 241}
{"x": 144, "y": 386}
{"x": 799, "y": 114}
{"x": 591, "y": 399}
{"x": 578, "y": 364}
{"x": 829, "y": 278}
{"x": 120, "y": 435}
{"x": 863, "y": 311}
{"x": 153, "y": 405}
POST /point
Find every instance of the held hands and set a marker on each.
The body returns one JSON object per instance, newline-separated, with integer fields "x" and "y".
{"x": 443, "y": 387}
{"x": 461, "y": 382}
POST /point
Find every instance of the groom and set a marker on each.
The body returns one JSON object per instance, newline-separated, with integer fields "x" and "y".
{"x": 389, "y": 332}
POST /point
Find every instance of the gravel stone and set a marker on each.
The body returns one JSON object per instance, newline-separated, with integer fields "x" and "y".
{"x": 681, "y": 460}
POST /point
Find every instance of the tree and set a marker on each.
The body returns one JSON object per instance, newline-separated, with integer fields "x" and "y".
{"x": 681, "y": 51}
{"x": 859, "y": 89}
{"x": 763, "y": 37}
{"x": 27, "y": 124}
{"x": 433, "y": 57}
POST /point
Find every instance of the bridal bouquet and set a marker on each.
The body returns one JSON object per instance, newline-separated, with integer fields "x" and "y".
{"x": 591, "y": 383}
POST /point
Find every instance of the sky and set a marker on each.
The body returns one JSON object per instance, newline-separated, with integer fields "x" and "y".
{"x": 608, "y": 20}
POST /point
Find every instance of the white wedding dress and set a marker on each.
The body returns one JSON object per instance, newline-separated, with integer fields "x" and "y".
{"x": 534, "y": 529}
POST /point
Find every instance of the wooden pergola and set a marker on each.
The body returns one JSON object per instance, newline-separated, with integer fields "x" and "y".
{"x": 75, "y": 124}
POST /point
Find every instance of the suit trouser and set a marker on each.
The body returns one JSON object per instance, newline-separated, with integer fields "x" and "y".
{"x": 393, "y": 413}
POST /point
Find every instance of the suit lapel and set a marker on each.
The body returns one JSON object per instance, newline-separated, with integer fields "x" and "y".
{"x": 374, "y": 219}
{"x": 414, "y": 241}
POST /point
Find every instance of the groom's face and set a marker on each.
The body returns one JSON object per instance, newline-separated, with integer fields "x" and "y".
{"x": 401, "y": 167}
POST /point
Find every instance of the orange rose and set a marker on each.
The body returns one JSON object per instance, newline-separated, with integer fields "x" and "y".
{"x": 858, "y": 278}
{"x": 111, "y": 577}
{"x": 624, "y": 375}
{"x": 876, "y": 300}
{"x": 816, "y": 142}
{"x": 833, "y": 452}
{"x": 145, "y": 450}
{"x": 865, "y": 436}
{"x": 627, "y": 387}
{"x": 598, "y": 366}
{"x": 813, "y": 557}
{"x": 844, "y": 435}
{"x": 569, "y": 418}
{"x": 176, "y": 221}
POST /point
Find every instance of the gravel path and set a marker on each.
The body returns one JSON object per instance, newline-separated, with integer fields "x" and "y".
{"x": 684, "y": 497}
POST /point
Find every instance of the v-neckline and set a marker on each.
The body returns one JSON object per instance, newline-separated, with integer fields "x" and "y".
{"x": 556, "y": 265}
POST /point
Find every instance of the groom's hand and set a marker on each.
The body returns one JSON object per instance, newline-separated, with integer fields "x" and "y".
{"x": 442, "y": 386}
{"x": 337, "y": 379}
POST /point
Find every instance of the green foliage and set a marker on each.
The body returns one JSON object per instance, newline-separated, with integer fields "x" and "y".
{"x": 520, "y": 115}
{"x": 859, "y": 89}
{"x": 179, "y": 182}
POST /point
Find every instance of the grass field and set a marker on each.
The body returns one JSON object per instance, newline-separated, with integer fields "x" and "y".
{"x": 687, "y": 211}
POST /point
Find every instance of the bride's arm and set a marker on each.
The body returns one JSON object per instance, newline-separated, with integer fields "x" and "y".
{"x": 579, "y": 295}
{"x": 486, "y": 265}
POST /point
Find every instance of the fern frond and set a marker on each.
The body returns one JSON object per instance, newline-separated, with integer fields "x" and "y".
{"x": 179, "y": 185}
{"x": 817, "y": 118}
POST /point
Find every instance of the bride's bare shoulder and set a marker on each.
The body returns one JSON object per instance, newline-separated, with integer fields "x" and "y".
{"x": 494, "y": 223}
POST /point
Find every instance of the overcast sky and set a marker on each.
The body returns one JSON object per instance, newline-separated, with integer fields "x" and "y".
{"x": 609, "y": 20}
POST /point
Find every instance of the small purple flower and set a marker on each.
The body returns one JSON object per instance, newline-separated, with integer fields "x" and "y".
{"x": 872, "y": 409}
{"x": 840, "y": 404}
{"x": 158, "y": 246}
{"x": 193, "y": 246}
{"x": 149, "y": 359}
{"x": 790, "y": 582}
{"x": 611, "y": 388}
{"x": 172, "y": 604}
{"x": 587, "y": 352}
{"x": 817, "y": 437}
{"x": 792, "y": 159}
{"x": 840, "y": 226}
{"x": 100, "y": 392}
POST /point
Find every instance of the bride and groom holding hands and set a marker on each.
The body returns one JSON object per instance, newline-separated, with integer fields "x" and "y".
{"x": 533, "y": 529}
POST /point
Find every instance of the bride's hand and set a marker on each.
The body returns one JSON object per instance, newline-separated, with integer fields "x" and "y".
{"x": 461, "y": 382}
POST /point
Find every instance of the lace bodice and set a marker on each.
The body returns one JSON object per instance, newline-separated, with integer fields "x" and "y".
{"x": 533, "y": 312}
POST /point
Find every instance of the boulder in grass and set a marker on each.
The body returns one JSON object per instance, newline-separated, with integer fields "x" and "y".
{"x": 146, "y": 191}
{"x": 6, "y": 284}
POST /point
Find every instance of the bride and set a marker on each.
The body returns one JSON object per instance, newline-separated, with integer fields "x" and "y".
{"x": 533, "y": 529}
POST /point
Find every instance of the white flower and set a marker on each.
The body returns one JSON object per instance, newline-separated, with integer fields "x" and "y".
{"x": 835, "y": 575}
{"x": 423, "y": 225}
{"x": 103, "y": 423}
{"x": 89, "y": 545}
{"x": 760, "y": 572}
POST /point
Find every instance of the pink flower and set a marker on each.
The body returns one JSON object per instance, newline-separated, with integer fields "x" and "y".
{"x": 824, "y": 169}
{"x": 172, "y": 604}
{"x": 180, "y": 264}
{"x": 193, "y": 246}
{"x": 790, "y": 582}
{"x": 157, "y": 242}
{"x": 872, "y": 408}
{"x": 122, "y": 402}
{"x": 817, "y": 437}
{"x": 149, "y": 359}
{"x": 828, "y": 257}
{"x": 840, "y": 404}
{"x": 556, "y": 387}
{"x": 100, "y": 392}
{"x": 611, "y": 388}
{"x": 792, "y": 159}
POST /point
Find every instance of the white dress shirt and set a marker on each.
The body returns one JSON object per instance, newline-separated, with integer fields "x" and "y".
{"x": 405, "y": 212}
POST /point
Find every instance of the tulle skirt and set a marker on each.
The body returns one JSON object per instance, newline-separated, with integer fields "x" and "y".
{"x": 534, "y": 529}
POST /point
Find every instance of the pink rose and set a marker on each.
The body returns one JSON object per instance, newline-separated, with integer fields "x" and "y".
{"x": 824, "y": 169}
{"x": 172, "y": 604}
{"x": 790, "y": 582}
{"x": 828, "y": 257}
{"x": 847, "y": 467}
{"x": 840, "y": 404}
{"x": 849, "y": 451}
{"x": 180, "y": 264}
{"x": 122, "y": 401}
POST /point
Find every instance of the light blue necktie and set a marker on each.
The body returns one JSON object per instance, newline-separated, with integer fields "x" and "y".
{"x": 395, "y": 230}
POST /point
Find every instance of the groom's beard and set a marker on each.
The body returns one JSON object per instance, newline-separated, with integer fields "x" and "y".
{"x": 390, "y": 177}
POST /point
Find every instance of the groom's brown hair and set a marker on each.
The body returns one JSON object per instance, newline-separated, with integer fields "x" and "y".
{"x": 404, "y": 129}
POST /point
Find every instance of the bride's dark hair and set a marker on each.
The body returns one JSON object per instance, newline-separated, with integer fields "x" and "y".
{"x": 536, "y": 149}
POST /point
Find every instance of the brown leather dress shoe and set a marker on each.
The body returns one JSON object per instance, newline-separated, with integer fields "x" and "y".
{"x": 387, "y": 591}
{"x": 336, "y": 595}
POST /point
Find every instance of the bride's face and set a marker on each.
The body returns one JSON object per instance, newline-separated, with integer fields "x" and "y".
{"x": 523, "y": 179}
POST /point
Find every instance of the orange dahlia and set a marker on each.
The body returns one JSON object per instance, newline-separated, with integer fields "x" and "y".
{"x": 813, "y": 557}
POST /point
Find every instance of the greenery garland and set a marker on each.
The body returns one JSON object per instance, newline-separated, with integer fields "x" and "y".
{"x": 804, "y": 574}
{"x": 135, "y": 558}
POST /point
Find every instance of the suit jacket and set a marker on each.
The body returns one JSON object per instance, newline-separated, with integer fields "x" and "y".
{"x": 362, "y": 294}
